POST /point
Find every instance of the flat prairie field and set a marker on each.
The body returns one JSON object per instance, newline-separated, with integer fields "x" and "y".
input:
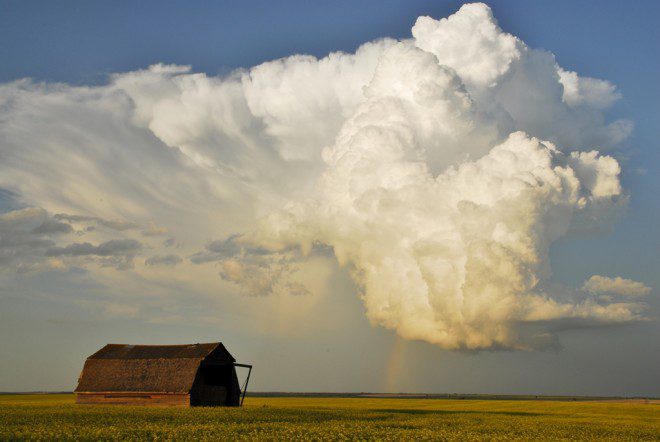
{"x": 57, "y": 417}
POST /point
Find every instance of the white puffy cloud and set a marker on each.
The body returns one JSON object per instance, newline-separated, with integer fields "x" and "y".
{"x": 521, "y": 87}
{"x": 588, "y": 91}
{"x": 471, "y": 42}
{"x": 301, "y": 124}
{"x": 603, "y": 285}
{"x": 458, "y": 260}
{"x": 439, "y": 170}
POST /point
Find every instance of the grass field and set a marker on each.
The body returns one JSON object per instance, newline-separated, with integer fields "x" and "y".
{"x": 56, "y": 417}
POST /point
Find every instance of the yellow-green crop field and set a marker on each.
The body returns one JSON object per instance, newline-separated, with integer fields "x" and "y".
{"x": 56, "y": 417}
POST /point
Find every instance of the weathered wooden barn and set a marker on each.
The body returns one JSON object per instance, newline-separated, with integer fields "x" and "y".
{"x": 183, "y": 375}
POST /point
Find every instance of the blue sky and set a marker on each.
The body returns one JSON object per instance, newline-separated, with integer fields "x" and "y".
{"x": 81, "y": 41}
{"x": 81, "y": 44}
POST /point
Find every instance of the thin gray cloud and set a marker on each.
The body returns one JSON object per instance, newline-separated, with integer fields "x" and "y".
{"x": 163, "y": 260}
{"x": 114, "y": 247}
{"x": 229, "y": 247}
{"x": 117, "y": 253}
{"x": 52, "y": 226}
{"x": 154, "y": 230}
{"x": 111, "y": 224}
{"x": 25, "y": 236}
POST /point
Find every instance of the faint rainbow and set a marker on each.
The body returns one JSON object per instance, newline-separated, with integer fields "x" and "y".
{"x": 394, "y": 366}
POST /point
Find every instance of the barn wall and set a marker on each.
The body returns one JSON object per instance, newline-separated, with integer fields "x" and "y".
{"x": 132, "y": 398}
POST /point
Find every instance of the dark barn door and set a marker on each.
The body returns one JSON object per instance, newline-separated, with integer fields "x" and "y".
{"x": 216, "y": 384}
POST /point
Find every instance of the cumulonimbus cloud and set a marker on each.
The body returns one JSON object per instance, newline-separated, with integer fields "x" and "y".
{"x": 438, "y": 170}
{"x": 445, "y": 225}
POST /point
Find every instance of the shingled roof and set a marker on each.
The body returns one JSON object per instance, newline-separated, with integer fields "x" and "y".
{"x": 148, "y": 368}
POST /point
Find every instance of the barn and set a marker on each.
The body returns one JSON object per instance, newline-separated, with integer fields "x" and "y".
{"x": 181, "y": 375}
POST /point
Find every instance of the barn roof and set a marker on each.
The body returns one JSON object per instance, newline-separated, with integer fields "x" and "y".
{"x": 197, "y": 351}
{"x": 147, "y": 368}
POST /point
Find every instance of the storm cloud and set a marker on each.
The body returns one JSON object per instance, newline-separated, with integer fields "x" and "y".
{"x": 438, "y": 171}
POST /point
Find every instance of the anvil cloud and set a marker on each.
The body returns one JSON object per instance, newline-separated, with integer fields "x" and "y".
{"x": 438, "y": 170}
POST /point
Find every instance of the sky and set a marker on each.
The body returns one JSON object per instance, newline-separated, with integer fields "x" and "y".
{"x": 376, "y": 196}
